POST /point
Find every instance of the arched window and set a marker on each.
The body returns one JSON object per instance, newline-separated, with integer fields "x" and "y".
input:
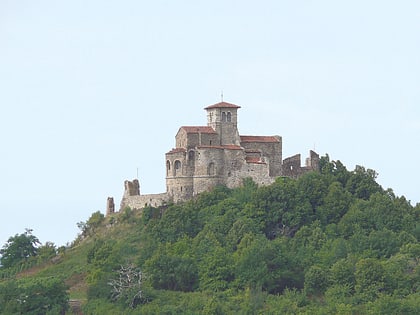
{"x": 191, "y": 155}
{"x": 168, "y": 167}
{"x": 211, "y": 170}
{"x": 223, "y": 116}
{"x": 177, "y": 167}
{"x": 229, "y": 116}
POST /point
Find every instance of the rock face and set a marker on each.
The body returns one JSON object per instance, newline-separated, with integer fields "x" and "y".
{"x": 216, "y": 154}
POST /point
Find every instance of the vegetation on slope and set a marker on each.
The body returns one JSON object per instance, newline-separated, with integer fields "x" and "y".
{"x": 330, "y": 242}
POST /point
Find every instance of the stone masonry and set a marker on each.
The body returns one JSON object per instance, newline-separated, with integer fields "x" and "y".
{"x": 216, "y": 154}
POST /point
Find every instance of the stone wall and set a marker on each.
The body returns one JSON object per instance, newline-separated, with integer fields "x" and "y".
{"x": 292, "y": 165}
{"x": 142, "y": 201}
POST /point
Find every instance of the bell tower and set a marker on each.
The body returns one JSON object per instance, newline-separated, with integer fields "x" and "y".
{"x": 223, "y": 118}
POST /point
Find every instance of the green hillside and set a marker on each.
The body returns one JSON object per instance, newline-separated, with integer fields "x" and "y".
{"x": 330, "y": 242}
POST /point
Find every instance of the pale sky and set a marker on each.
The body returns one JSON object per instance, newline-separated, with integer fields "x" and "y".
{"x": 92, "y": 90}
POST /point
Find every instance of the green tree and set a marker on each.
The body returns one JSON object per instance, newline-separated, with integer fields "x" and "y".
{"x": 34, "y": 296}
{"x": 336, "y": 203}
{"x": 316, "y": 280}
{"x": 171, "y": 271}
{"x": 362, "y": 183}
{"x": 88, "y": 228}
{"x": 342, "y": 273}
{"x": 46, "y": 251}
{"x": 369, "y": 276}
{"x": 251, "y": 263}
{"x": 19, "y": 248}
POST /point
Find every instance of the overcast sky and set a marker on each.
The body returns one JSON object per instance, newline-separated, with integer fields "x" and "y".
{"x": 91, "y": 91}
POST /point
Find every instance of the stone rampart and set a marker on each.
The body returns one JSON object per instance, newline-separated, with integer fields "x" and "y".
{"x": 142, "y": 201}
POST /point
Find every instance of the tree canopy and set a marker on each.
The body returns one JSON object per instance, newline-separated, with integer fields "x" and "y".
{"x": 329, "y": 242}
{"x": 19, "y": 248}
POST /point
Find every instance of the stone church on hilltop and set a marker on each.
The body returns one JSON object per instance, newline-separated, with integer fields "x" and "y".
{"x": 216, "y": 154}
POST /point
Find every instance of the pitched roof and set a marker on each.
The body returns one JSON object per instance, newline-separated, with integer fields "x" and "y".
{"x": 177, "y": 150}
{"x": 223, "y": 105}
{"x": 222, "y": 147}
{"x": 254, "y": 160}
{"x": 259, "y": 139}
{"x": 198, "y": 129}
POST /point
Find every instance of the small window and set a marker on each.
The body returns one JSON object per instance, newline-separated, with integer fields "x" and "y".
{"x": 223, "y": 116}
{"x": 168, "y": 167}
{"x": 177, "y": 167}
{"x": 229, "y": 117}
{"x": 211, "y": 169}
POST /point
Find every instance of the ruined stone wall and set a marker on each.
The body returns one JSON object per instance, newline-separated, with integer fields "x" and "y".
{"x": 292, "y": 165}
{"x": 110, "y": 206}
{"x": 312, "y": 162}
{"x": 139, "y": 202}
{"x": 131, "y": 188}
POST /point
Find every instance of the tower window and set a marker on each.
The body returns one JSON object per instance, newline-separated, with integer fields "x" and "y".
{"x": 229, "y": 116}
{"x": 223, "y": 116}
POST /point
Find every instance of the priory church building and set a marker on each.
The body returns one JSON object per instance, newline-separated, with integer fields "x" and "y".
{"x": 216, "y": 154}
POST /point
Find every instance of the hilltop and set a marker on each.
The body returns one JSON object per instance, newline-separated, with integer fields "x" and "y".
{"x": 328, "y": 242}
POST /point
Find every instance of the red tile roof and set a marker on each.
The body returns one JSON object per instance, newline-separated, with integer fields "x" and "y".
{"x": 254, "y": 160}
{"x": 253, "y": 151}
{"x": 177, "y": 150}
{"x": 227, "y": 147}
{"x": 198, "y": 129}
{"x": 259, "y": 139}
{"x": 223, "y": 105}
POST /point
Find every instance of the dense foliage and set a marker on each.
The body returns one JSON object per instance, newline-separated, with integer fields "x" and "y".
{"x": 33, "y": 296}
{"x": 18, "y": 249}
{"x": 330, "y": 242}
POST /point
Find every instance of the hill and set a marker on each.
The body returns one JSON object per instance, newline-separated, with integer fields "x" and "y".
{"x": 330, "y": 242}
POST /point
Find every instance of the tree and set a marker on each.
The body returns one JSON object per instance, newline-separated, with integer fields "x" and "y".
{"x": 33, "y": 296}
{"x": 19, "y": 248}
{"x": 369, "y": 276}
{"x": 336, "y": 203}
{"x": 362, "y": 183}
{"x": 89, "y": 227}
{"x": 316, "y": 280}
{"x": 171, "y": 271}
